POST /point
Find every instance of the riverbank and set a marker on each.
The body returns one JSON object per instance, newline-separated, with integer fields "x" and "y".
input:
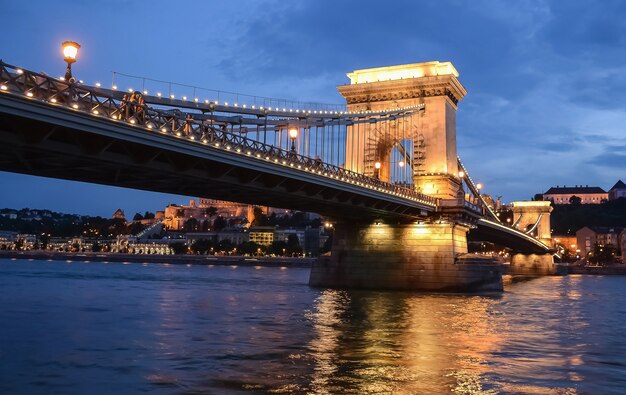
{"x": 597, "y": 270}
{"x": 170, "y": 259}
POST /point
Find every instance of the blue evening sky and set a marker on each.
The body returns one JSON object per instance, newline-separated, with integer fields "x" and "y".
{"x": 545, "y": 79}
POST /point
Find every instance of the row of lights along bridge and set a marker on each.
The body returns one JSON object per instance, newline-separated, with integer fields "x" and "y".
{"x": 70, "y": 52}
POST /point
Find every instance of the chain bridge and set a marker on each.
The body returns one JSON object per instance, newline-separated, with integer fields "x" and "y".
{"x": 385, "y": 167}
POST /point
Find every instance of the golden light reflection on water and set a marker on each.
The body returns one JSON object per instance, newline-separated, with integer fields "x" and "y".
{"x": 375, "y": 343}
{"x": 390, "y": 343}
{"x": 326, "y": 317}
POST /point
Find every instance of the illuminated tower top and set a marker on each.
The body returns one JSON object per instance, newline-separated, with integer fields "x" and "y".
{"x": 402, "y": 72}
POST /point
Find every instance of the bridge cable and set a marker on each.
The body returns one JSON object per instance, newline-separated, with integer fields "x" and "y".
{"x": 476, "y": 192}
{"x": 528, "y": 232}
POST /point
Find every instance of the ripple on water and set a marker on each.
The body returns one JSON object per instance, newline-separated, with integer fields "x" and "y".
{"x": 96, "y": 328}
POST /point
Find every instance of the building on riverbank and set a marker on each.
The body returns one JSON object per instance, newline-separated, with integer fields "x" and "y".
{"x": 588, "y": 236}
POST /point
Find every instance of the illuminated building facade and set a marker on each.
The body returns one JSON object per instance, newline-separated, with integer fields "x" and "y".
{"x": 617, "y": 191}
{"x": 587, "y": 194}
{"x": 589, "y": 236}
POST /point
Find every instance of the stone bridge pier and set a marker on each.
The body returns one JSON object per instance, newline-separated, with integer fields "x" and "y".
{"x": 414, "y": 256}
{"x": 535, "y": 218}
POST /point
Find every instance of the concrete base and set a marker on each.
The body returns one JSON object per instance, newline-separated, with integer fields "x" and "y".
{"x": 532, "y": 265}
{"x": 431, "y": 257}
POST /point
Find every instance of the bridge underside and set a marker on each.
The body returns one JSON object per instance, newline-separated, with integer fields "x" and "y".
{"x": 506, "y": 237}
{"x": 75, "y": 147}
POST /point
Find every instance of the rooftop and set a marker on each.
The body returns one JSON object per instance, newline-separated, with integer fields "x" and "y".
{"x": 618, "y": 185}
{"x": 575, "y": 190}
{"x": 604, "y": 229}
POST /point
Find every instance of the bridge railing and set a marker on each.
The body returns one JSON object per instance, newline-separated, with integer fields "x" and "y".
{"x": 93, "y": 101}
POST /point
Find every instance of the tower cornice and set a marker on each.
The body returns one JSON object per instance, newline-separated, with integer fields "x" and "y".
{"x": 411, "y": 88}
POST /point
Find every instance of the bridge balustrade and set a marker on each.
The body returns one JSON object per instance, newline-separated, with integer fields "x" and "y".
{"x": 96, "y": 102}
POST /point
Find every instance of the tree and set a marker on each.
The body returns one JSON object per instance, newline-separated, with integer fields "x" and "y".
{"x": 225, "y": 245}
{"x": 538, "y": 197}
{"x": 603, "y": 254}
{"x": 278, "y": 247}
{"x": 327, "y": 245}
{"x": 19, "y": 244}
{"x": 575, "y": 200}
{"x": 210, "y": 211}
{"x": 148, "y": 215}
{"x": 137, "y": 217}
{"x": 201, "y": 246}
{"x": 135, "y": 228}
{"x": 219, "y": 223}
{"x": 293, "y": 245}
{"x": 259, "y": 217}
{"x": 248, "y": 247}
{"x": 44, "y": 240}
{"x": 191, "y": 225}
{"x": 179, "y": 248}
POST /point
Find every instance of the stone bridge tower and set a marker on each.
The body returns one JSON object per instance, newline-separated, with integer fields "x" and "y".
{"x": 423, "y": 254}
{"x": 535, "y": 216}
{"x": 432, "y": 132}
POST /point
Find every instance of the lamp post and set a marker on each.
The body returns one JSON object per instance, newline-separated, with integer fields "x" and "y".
{"x": 293, "y": 135}
{"x": 377, "y": 170}
{"x": 479, "y": 186}
{"x": 70, "y": 50}
{"x": 461, "y": 174}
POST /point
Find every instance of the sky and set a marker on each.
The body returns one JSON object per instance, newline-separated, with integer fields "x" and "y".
{"x": 545, "y": 79}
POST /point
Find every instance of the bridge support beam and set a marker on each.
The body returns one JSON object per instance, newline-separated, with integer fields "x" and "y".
{"x": 532, "y": 265}
{"x": 414, "y": 256}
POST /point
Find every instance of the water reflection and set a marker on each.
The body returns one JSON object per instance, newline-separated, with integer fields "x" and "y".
{"x": 380, "y": 342}
{"x": 177, "y": 329}
{"x": 373, "y": 343}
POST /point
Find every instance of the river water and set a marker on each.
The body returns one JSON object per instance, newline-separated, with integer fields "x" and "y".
{"x": 114, "y": 328}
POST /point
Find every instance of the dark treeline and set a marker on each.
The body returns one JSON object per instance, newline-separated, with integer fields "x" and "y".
{"x": 566, "y": 219}
{"x": 45, "y": 222}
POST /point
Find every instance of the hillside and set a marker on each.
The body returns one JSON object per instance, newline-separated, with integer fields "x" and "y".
{"x": 567, "y": 219}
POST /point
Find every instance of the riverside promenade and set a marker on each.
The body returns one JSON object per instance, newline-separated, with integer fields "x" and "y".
{"x": 181, "y": 259}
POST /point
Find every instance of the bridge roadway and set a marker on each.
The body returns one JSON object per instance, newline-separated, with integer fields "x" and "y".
{"x": 42, "y": 136}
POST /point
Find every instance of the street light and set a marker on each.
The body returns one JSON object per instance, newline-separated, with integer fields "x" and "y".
{"x": 377, "y": 167}
{"x": 401, "y": 163}
{"x": 293, "y": 134}
{"x": 479, "y": 186}
{"x": 70, "y": 50}
{"x": 461, "y": 174}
